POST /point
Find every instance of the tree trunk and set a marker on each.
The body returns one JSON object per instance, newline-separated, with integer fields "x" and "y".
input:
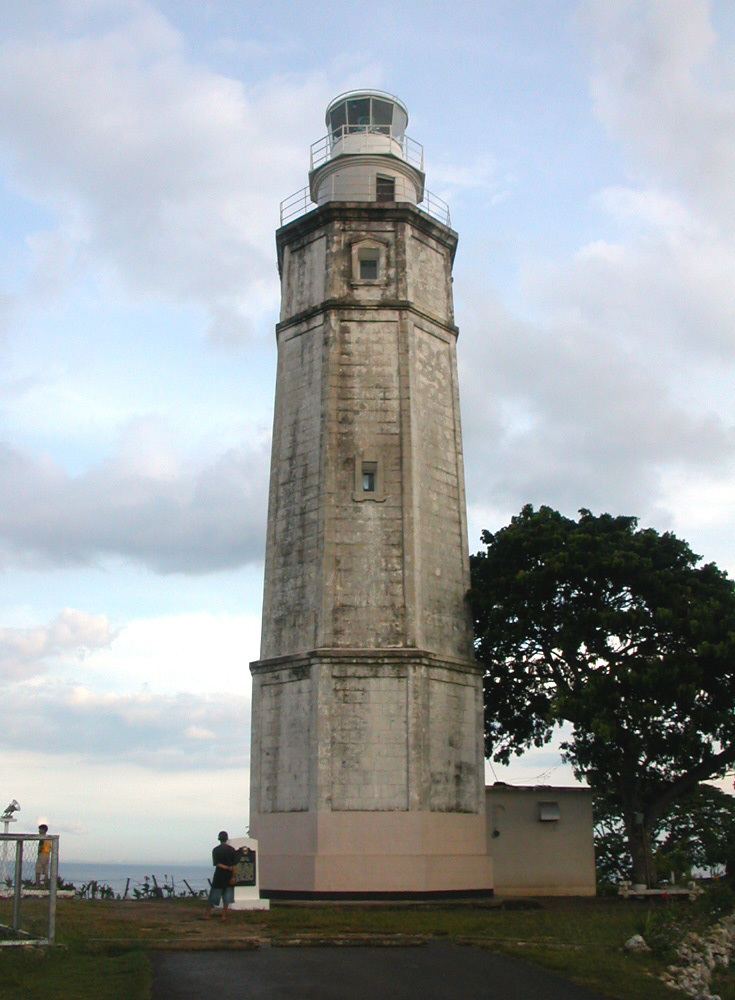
{"x": 639, "y": 845}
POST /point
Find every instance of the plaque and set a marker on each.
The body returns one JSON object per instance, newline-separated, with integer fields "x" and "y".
{"x": 245, "y": 871}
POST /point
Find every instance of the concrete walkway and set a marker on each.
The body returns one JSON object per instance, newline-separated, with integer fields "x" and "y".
{"x": 437, "y": 971}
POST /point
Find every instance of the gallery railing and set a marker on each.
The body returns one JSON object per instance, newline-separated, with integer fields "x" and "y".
{"x": 364, "y": 139}
{"x": 299, "y": 203}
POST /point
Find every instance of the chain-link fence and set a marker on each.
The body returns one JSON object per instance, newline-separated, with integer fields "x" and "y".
{"x": 29, "y": 867}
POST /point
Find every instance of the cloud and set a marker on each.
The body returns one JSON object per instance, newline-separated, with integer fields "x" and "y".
{"x": 662, "y": 289}
{"x": 141, "y": 505}
{"x": 160, "y": 172}
{"x": 115, "y": 810}
{"x": 483, "y": 173}
{"x": 152, "y": 731}
{"x": 172, "y": 653}
{"x": 613, "y": 390}
{"x": 25, "y": 652}
{"x": 663, "y": 87}
{"x": 565, "y": 414}
{"x": 166, "y": 693}
{"x": 198, "y": 733}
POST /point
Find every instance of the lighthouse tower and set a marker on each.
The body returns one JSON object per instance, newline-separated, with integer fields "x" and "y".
{"x": 367, "y": 774}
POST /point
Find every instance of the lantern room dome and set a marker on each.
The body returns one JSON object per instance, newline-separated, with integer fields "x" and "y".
{"x": 371, "y": 111}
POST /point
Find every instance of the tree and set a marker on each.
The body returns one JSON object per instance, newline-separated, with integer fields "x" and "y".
{"x": 620, "y": 634}
{"x": 696, "y": 832}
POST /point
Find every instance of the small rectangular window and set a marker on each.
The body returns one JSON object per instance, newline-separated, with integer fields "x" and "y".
{"x": 385, "y": 188}
{"x": 368, "y": 269}
{"x": 549, "y": 812}
{"x": 368, "y": 258}
{"x": 369, "y": 477}
{"x": 368, "y": 485}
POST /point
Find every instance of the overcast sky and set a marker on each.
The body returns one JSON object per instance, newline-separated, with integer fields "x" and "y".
{"x": 588, "y": 154}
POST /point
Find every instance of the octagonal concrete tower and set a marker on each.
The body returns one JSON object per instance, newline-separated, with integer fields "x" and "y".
{"x": 367, "y": 773}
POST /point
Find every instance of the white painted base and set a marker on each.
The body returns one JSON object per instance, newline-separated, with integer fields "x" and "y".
{"x": 250, "y": 903}
{"x": 373, "y": 852}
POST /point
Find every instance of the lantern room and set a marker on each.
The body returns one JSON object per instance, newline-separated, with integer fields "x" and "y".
{"x": 370, "y": 111}
{"x": 366, "y": 154}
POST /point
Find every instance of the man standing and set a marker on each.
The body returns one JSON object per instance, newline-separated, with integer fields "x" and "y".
{"x": 224, "y": 859}
{"x": 44, "y": 857}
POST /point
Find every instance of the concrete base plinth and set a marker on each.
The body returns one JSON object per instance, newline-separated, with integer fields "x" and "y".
{"x": 250, "y": 903}
{"x": 373, "y": 855}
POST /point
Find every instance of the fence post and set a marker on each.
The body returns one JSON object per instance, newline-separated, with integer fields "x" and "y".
{"x": 18, "y": 883}
{"x": 53, "y": 880}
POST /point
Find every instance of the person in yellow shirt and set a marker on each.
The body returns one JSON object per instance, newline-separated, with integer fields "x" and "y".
{"x": 44, "y": 857}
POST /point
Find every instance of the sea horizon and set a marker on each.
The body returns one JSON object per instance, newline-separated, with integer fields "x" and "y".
{"x": 119, "y": 874}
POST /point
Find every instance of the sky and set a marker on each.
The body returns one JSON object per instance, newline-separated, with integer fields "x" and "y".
{"x": 587, "y": 152}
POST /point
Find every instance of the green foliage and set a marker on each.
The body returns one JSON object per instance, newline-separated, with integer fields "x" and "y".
{"x": 96, "y": 890}
{"x": 717, "y": 902}
{"x": 697, "y": 832}
{"x": 700, "y": 828}
{"x": 665, "y": 926}
{"x": 612, "y": 859}
{"x": 618, "y": 633}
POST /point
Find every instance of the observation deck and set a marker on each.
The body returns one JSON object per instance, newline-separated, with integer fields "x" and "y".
{"x": 365, "y": 156}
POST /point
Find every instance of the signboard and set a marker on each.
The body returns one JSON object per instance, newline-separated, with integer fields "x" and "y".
{"x": 245, "y": 871}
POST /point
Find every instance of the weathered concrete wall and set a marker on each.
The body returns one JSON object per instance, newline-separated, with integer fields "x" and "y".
{"x": 393, "y": 773}
{"x": 292, "y": 590}
{"x": 442, "y": 577}
{"x": 365, "y": 558}
{"x": 452, "y": 729}
{"x": 534, "y": 858}
{"x": 369, "y": 746}
{"x": 428, "y": 272}
{"x": 367, "y": 702}
{"x": 304, "y": 275}
{"x": 385, "y": 731}
{"x": 367, "y": 374}
{"x": 285, "y": 740}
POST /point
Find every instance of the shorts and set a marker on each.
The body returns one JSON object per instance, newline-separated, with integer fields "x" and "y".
{"x": 226, "y": 895}
{"x": 42, "y": 867}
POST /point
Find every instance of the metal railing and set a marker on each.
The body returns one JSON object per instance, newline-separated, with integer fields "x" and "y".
{"x": 363, "y": 139}
{"x": 299, "y": 203}
{"x": 28, "y": 878}
{"x": 436, "y": 207}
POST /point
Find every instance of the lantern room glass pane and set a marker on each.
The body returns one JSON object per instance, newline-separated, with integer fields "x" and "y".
{"x": 382, "y": 117}
{"x": 358, "y": 112}
{"x": 338, "y": 118}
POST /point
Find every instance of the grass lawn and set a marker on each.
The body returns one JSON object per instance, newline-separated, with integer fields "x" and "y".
{"x": 105, "y": 942}
{"x": 74, "y": 975}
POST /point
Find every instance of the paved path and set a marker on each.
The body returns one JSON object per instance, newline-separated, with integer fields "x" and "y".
{"x": 437, "y": 971}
